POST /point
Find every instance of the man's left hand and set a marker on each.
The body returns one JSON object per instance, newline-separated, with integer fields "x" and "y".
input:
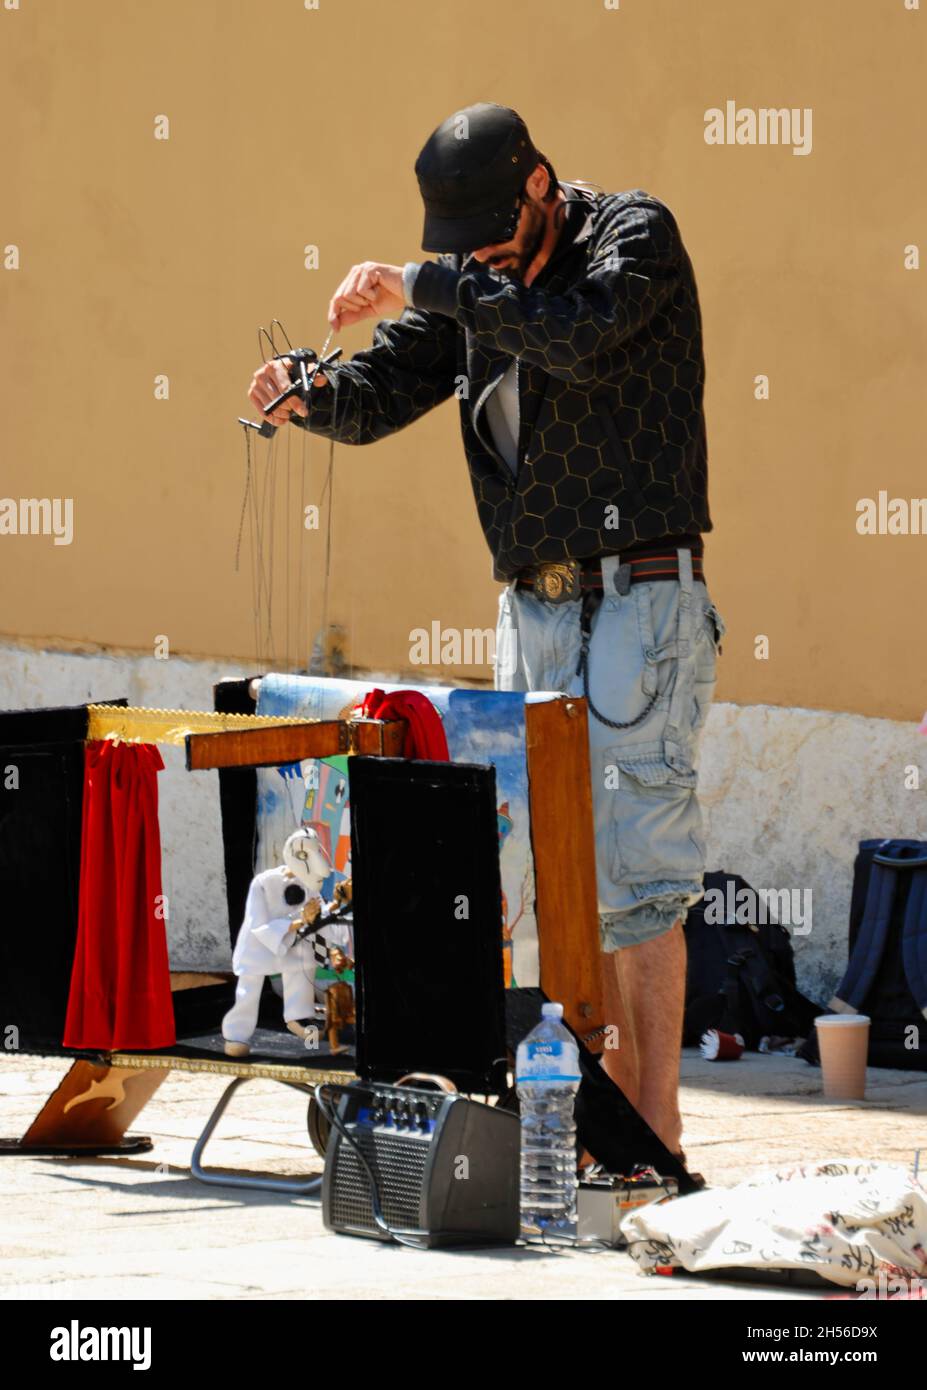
{"x": 370, "y": 290}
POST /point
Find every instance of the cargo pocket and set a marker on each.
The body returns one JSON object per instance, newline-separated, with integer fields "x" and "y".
{"x": 709, "y": 632}
{"x": 657, "y": 841}
{"x": 658, "y": 623}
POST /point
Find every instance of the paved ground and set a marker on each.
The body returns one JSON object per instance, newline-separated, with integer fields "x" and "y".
{"x": 143, "y": 1228}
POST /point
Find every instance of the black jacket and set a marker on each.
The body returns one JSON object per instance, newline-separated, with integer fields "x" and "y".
{"x": 608, "y": 344}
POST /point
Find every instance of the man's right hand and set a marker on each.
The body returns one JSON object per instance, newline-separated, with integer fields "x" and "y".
{"x": 268, "y": 382}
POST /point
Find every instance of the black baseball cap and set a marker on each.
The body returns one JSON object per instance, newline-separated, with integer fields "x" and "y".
{"x": 470, "y": 172}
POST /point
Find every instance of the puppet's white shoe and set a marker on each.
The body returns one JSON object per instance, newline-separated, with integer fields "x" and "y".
{"x": 236, "y": 1049}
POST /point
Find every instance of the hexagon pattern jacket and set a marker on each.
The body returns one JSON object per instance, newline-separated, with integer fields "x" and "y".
{"x": 610, "y": 372}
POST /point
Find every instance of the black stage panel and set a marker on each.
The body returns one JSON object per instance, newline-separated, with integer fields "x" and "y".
{"x": 41, "y": 798}
{"x": 427, "y": 921}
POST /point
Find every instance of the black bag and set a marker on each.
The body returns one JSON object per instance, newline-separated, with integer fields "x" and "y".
{"x": 886, "y": 974}
{"x": 740, "y": 978}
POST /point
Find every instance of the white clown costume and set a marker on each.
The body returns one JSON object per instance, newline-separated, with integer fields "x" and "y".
{"x": 268, "y": 945}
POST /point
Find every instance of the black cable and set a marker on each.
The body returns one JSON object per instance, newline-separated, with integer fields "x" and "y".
{"x": 413, "y": 1238}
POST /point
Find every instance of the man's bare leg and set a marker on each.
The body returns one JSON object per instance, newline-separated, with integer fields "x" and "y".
{"x": 650, "y": 988}
{"x": 619, "y": 1058}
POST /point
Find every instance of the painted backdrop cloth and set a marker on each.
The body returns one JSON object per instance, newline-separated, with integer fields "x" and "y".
{"x": 425, "y": 737}
{"x": 846, "y": 1219}
{"x": 481, "y": 726}
{"x": 120, "y": 984}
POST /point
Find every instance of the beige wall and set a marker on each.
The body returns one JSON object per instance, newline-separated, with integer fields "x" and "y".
{"x": 289, "y": 127}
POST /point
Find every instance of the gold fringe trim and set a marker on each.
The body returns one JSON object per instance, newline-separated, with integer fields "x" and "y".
{"x": 267, "y": 1071}
{"x": 133, "y": 724}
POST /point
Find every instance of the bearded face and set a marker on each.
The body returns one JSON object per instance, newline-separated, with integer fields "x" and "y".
{"x": 513, "y": 258}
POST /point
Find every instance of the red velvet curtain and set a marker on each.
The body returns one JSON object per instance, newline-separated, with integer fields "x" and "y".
{"x": 120, "y": 984}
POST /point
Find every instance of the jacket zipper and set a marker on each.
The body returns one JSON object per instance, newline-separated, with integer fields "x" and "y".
{"x": 519, "y": 459}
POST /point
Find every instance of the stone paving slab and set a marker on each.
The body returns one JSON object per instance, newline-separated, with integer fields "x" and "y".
{"x": 141, "y": 1227}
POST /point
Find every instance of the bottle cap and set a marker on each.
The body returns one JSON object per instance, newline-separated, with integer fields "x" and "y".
{"x": 552, "y": 1011}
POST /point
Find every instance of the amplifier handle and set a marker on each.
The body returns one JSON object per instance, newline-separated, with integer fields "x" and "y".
{"x": 441, "y": 1082}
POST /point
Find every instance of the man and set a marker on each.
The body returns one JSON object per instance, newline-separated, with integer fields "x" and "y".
{"x": 572, "y": 321}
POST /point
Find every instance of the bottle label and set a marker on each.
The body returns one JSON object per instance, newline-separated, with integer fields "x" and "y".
{"x": 552, "y": 1048}
{"x": 550, "y": 1059}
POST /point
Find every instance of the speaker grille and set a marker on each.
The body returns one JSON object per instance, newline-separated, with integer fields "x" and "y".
{"x": 397, "y": 1160}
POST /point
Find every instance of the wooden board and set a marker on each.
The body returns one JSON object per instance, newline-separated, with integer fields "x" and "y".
{"x": 563, "y": 843}
{"x": 290, "y": 743}
{"x": 93, "y": 1106}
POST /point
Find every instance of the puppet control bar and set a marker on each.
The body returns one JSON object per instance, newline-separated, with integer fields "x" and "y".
{"x": 305, "y": 365}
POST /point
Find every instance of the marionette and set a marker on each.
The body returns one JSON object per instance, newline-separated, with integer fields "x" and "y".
{"x": 284, "y": 914}
{"x": 339, "y": 996}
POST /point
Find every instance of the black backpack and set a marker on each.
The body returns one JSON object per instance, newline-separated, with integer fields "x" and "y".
{"x": 740, "y": 978}
{"x": 886, "y": 974}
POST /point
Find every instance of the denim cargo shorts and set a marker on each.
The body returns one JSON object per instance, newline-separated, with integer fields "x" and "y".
{"x": 658, "y": 639}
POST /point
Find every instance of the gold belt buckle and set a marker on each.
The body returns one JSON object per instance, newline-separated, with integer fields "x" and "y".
{"x": 558, "y": 582}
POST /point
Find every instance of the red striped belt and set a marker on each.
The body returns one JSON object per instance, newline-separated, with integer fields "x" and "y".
{"x": 562, "y": 580}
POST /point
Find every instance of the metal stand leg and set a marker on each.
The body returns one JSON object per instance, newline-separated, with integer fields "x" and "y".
{"x": 301, "y": 1187}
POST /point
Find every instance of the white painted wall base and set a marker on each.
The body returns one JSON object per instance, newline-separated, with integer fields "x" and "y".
{"x": 786, "y": 793}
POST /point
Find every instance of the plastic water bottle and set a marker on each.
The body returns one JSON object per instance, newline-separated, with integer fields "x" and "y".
{"x": 547, "y": 1079}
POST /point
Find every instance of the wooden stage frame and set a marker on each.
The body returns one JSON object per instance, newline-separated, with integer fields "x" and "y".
{"x": 97, "y": 1100}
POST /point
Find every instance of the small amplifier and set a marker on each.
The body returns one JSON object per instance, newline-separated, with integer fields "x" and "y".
{"x": 445, "y": 1168}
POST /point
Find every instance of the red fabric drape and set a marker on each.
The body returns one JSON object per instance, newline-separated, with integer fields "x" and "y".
{"x": 425, "y": 733}
{"x": 120, "y": 982}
